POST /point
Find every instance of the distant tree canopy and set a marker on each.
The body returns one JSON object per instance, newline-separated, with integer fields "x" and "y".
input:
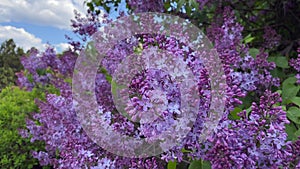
{"x": 9, "y": 62}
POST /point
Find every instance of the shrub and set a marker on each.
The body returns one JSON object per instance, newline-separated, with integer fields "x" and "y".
{"x": 15, "y": 106}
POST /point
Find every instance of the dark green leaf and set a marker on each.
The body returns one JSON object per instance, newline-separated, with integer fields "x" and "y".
{"x": 253, "y": 52}
{"x": 290, "y": 129}
{"x": 196, "y": 164}
{"x": 280, "y": 61}
{"x": 206, "y": 165}
{"x": 200, "y": 164}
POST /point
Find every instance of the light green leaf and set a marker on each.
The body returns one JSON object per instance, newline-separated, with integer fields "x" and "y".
{"x": 234, "y": 113}
{"x": 248, "y": 39}
{"x": 296, "y": 100}
{"x": 172, "y": 164}
{"x": 185, "y": 151}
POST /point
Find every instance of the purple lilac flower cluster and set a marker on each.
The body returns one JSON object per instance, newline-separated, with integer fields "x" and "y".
{"x": 256, "y": 140}
{"x": 66, "y": 143}
{"x": 85, "y": 27}
{"x": 254, "y": 75}
{"x": 41, "y": 66}
{"x": 271, "y": 38}
{"x": 296, "y": 64}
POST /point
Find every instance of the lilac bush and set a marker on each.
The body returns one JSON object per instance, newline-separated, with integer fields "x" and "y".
{"x": 255, "y": 138}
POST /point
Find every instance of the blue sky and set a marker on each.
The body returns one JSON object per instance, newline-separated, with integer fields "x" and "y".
{"x": 38, "y": 22}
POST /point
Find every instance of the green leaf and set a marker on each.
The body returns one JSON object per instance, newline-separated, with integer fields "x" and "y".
{"x": 206, "y": 165}
{"x": 234, "y": 113}
{"x": 180, "y": 4}
{"x": 185, "y": 151}
{"x": 289, "y": 92}
{"x": 292, "y": 131}
{"x": 200, "y": 164}
{"x": 278, "y": 73}
{"x": 196, "y": 164}
{"x": 248, "y": 39}
{"x": 114, "y": 87}
{"x": 90, "y": 5}
{"x": 296, "y": 100}
{"x": 297, "y": 134}
{"x": 283, "y": 107}
{"x": 167, "y": 5}
{"x": 193, "y": 3}
{"x": 289, "y": 89}
{"x": 294, "y": 114}
{"x": 279, "y": 91}
{"x": 280, "y": 61}
{"x": 248, "y": 110}
{"x": 41, "y": 71}
{"x": 290, "y": 80}
{"x": 253, "y": 52}
{"x": 172, "y": 164}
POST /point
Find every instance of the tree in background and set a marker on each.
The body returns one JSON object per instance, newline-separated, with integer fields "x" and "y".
{"x": 10, "y": 63}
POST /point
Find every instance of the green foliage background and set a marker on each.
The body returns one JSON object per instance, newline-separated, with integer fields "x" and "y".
{"x": 15, "y": 106}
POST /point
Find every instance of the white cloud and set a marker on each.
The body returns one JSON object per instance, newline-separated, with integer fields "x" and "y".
{"x": 26, "y": 40}
{"x": 62, "y": 47}
{"x": 21, "y": 37}
{"x": 56, "y": 13}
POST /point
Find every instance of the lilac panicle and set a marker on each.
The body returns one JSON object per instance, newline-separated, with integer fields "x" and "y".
{"x": 271, "y": 38}
{"x": 257, "y": 140}
{"x": 295, "y": 63}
